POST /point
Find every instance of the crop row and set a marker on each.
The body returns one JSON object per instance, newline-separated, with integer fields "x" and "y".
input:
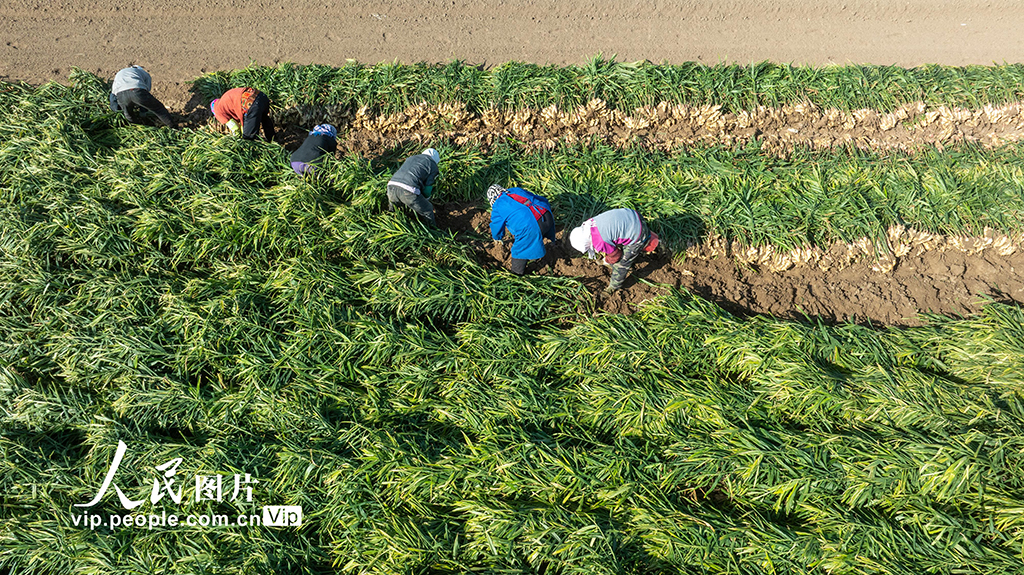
{"x": 392, "y": 87}
{"x": 673, "y": 128}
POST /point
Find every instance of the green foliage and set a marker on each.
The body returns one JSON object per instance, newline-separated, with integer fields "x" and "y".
{"x": 810, "y": 199}
{"x": 185, "y": 293}
{"x": 391, "y": 87}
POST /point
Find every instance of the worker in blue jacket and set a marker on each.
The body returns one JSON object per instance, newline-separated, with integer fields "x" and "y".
{"x": 528, "y": 217}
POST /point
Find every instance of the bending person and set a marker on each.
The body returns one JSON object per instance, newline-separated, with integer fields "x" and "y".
{"x": 619, "y": 234}
{"x": 413, "y": 182}
{"x": 528, "y": 217}
{"x": 130, "y": 90}
{"x": 322, "y": 139}
{"x": 248, "y": 107}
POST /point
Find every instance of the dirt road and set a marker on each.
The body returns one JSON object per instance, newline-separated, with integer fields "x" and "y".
{"x": 176, "y": 40}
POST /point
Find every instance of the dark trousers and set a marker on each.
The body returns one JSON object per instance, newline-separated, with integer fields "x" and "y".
{"x": 629, "y": 255}
{"x": 256, "y": 116}
{"x": 546, "y": 223}
{"x": 416, "y": 202}
{"x": 519, "y": 266}
{"x": 128, "y": 100}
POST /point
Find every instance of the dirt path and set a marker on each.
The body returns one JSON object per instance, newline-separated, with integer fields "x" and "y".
{"x": 177, "y": 40}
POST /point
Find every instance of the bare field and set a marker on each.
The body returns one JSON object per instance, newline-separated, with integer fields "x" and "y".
{"x": 178, "y": 40}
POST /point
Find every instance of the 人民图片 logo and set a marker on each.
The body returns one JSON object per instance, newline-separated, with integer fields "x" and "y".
{"x": 207, "y": 487}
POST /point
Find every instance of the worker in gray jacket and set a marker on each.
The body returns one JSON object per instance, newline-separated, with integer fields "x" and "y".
{"x": 131, "y": 90}
{"x": 618, "y": 234}
{"x": 413, "y": 182}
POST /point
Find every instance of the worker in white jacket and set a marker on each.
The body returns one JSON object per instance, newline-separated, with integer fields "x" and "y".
{"x": 131, "y": 90}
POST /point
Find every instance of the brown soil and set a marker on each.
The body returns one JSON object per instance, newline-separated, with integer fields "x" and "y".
{"x": 947, "y": 282}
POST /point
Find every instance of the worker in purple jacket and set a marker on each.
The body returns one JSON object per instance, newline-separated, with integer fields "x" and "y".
{"x": 620, "y": 235}
{"x": 527, "y": 217}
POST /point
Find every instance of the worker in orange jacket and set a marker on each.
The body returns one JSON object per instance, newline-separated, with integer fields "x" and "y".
{"x": 248, "y": 107}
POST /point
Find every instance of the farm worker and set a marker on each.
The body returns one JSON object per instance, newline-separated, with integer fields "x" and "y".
{"x": 130, "y": 90}
{"x": 619, "y": 234}
{"x": 412, "y": 183}
{"x": 248, "y": 107}
{"x": 322, "y": 139}
{"x": 527, "y": 217}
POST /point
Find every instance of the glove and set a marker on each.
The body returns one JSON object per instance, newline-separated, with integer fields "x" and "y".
{"x": 614, "y": 256}
{"x": 427, "y": 190}
{"x": 234, "y": 128}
